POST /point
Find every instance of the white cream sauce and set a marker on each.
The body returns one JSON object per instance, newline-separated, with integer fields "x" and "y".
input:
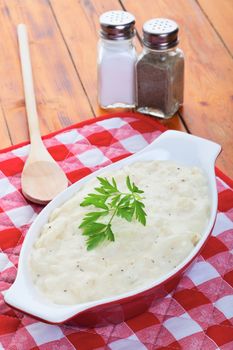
{"x": 177, "y": 204}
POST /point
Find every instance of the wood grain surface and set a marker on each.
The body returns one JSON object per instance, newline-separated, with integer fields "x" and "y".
{"x": 5, "y": 139}
{"x": 63, "y": 43}
{"x": 59, "y": 92}
{"x": 220, "y": 15}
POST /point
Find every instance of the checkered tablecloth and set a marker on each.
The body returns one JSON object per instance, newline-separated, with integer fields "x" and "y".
{"x": 197, "y": 315}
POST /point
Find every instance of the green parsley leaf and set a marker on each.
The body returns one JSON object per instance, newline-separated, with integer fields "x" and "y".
{"x": 126, "y": 213}
{"x": 107, "y": 186}
{"x": 93, "y": 229}
{"x": 140, "y": 212}
{"x": 97, "y": 200}
{"x": 109, "y": 233}
{"x": 90, "y": 218}
{"x": 111, "y": 202}
{"x": 94, "y": 240}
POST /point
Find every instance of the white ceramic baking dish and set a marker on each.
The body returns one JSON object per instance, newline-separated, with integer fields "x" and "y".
{"x": 171, "y": 145}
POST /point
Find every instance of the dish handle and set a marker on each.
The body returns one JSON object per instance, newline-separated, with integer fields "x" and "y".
{"x": 182, "y": 146}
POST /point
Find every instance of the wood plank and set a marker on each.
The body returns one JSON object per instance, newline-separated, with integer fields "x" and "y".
{"x": 4, "y": 133}
{"x": 60, "y": 96}
{"x": 208, "y": 103}
{"x": 79, "y": 23}
{"x": 220, "y": 14}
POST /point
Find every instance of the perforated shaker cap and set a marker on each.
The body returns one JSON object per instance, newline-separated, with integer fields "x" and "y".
{"x": 160, "y": 33}
{"x": 117, "y": 25}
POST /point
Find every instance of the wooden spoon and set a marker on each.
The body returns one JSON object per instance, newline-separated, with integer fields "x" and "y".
{"x": 42, "y": 179}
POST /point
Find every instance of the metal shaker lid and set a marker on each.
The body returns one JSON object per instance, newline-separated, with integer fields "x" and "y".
{"x": 160, "y": 33}
{"x": 117, "y": 25}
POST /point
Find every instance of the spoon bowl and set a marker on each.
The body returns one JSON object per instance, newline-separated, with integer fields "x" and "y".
{"x": 42, "y": 180}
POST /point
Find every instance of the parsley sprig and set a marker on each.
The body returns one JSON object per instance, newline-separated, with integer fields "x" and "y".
{"x": 111, "y": 202}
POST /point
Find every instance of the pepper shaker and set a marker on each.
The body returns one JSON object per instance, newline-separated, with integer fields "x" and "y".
{"x": 116, "y": 60}
{"x": 160, "y": 69}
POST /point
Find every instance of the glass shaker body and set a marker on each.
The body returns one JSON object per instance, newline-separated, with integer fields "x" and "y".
{"x": 116, "y": 73}
{"x": 116, "y": 60}
{"x": 160, "y": 81}
{"x": 160, "y": 69}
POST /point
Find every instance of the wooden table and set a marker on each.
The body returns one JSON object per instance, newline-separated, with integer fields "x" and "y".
{"x": 63, "y": 39}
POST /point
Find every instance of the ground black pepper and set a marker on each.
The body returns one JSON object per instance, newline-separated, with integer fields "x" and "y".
{"x": 160, "y": 70}
{"x": 160, "y": 81}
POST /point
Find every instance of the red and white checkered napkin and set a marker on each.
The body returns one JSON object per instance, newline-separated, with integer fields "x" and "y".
{"x": 198, "y": 315}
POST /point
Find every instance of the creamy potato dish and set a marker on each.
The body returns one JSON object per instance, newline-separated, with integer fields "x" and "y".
{"x": 177, "y": 204}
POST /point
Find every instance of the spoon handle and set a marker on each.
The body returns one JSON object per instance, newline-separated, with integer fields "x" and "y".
{"x": 32, "y": 116}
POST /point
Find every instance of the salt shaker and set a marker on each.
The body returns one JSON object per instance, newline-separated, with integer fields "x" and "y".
{"x": 160, "y": 69}
{"x": 116, "y": 60}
